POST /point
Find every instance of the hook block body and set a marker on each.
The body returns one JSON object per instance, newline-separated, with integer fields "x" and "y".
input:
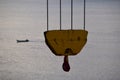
{"x": 66, "y": 42}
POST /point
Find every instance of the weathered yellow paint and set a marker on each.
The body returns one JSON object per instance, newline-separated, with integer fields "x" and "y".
{"x": 66, "y": 42}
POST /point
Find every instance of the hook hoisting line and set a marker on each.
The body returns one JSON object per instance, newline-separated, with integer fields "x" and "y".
{"x": 47, "y": 17}
{"x": 84, "y": 13}
{"x": 84, "y": 22}
{"x": 71, "y": 14}
{"x": 60, "y": 15}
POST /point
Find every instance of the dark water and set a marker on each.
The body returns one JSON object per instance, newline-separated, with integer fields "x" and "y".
{"x": 24, "y": 19}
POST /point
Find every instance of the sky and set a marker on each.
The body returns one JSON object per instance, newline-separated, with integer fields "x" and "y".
{"x": 24, "y": 14}
{"x": 27, "y": 15}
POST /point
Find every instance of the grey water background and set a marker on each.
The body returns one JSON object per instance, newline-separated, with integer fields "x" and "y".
{"x": 26, "y": 19}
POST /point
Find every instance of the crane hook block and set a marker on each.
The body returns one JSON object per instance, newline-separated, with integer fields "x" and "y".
{"x": 66, "y": 42}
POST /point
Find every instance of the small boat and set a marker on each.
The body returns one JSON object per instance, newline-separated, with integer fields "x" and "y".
{"x": 22, "y": 40}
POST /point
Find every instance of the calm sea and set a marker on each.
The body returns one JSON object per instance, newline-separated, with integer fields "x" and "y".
{"x": 26, "y": 19}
